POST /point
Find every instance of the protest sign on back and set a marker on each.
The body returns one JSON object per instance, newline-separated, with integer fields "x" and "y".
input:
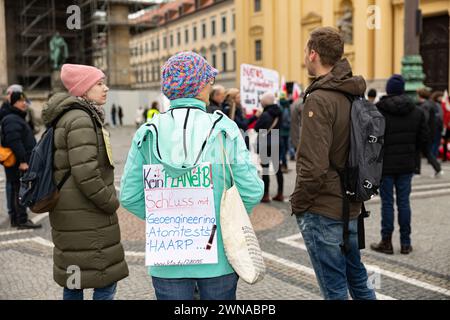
{"x": 180, "y": 217}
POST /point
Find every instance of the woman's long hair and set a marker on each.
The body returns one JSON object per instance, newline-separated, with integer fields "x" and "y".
{"x": 230, "y": 99}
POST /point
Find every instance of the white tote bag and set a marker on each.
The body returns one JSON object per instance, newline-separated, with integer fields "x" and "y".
{"x": 239, "y": 238}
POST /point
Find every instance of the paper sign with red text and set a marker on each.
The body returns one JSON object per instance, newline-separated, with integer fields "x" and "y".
{"x": 180, "y": 217}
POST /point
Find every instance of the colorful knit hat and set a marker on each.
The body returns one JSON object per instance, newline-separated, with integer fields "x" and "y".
{"x": 185, "y": 74}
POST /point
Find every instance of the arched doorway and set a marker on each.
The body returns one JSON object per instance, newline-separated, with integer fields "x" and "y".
{"x": 434, "y": 48}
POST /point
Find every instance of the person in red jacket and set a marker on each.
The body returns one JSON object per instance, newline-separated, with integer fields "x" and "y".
{"x": 446, "y": 109}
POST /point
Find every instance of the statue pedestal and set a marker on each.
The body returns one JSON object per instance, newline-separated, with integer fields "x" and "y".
{"x": 57, "y": 85}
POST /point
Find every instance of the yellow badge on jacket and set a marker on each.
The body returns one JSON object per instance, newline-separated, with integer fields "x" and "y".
{"x": 311, "y": 114}
{"x": 108, "y": 146}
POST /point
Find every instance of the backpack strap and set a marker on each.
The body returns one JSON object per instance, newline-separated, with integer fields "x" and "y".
{"x": 53, "y": 125}
{"x": 274, "y": 124}
{"x": 345, "y": 246}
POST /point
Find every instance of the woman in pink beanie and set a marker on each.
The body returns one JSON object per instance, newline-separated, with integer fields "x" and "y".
{"x": 85, "y": 227}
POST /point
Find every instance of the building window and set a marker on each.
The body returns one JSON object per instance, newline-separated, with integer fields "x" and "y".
{"x": 257, "y": 4}
{"x": 224, "y": 61}
{"x": 258, "y": 50}
{"x": 157, "y": 44}
{"x": 234, "y": 60}
{"x": 186, "y": 36}
{"x": 213, "y": 28}
{"x": 233, "y": 21}
{"x": 171, "y": 40}
{"x": 146, "y": 47}
{"x": 180, "y": 11}
{"x": 165, "y": 42}
{"x": 153, "y": 46}
{"x": 204, "y": 30}
{"x": 224, "y": 24}
{"x": 141, "y": 50}
{"x": 197, "y": 4}
{"x": 214, "y": 60}
{"x": 194, "y": 33}
{"x": 179, "y": 38}
{"x": 147, "y": 76}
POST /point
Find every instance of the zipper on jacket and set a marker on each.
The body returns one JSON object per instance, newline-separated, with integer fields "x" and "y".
{"x": 184, "y": 134}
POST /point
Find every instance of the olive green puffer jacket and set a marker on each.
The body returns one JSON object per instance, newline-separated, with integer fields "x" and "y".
{"x": 85, "y": 227}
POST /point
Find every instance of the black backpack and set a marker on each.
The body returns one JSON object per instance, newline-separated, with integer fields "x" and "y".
{"x": 38, "y": 190}
{"x": 361, "y": 177}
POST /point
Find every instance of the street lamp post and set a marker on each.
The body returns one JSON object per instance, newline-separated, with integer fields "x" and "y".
{"x": 412, "y": 62}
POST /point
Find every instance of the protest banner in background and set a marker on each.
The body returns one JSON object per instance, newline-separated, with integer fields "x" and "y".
{"x": 180, "y": 217}
{"x": 255, "y": 81}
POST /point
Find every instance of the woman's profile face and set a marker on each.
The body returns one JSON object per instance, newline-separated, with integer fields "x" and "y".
{"x": 237, "y": 99}
{"x": 98, "y": 93}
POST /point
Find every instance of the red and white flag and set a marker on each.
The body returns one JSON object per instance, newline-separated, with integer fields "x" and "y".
{"x": 446, "y": 102}
{"x": 296, "y": 92}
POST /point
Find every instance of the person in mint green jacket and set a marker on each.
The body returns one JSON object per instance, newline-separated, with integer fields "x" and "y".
{"x": 180, "y": 140}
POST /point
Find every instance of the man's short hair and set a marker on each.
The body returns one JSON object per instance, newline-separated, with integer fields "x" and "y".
{"x": 372, "y": 93}
{"x": 328, "y": 43}
{"x": 267, "y": 99}
{"x": 424, "y": 93}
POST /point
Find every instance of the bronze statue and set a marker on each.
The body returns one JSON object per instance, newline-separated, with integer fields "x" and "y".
{"x": 59, "y": 51}
{"x": 345, "y": 25}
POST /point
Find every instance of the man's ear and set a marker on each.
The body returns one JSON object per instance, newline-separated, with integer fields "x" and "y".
{"x": 313, "y": 55}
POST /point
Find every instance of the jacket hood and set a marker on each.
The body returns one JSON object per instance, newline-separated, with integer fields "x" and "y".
{"x": 182, "y": 135}
{"x": 340, "y": 79}
{"x": 4, "y": 110}
{"x": 274, "y": 110}
{"x": 396, "y": 105}
{"x": 57, "y": 104}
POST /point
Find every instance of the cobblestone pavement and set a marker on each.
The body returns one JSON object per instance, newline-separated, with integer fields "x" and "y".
{"x": 26, "y": 256}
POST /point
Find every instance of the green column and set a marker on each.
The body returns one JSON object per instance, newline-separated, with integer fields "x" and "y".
{"x": 412, "y": 71}
{"x": 412, "y": 63}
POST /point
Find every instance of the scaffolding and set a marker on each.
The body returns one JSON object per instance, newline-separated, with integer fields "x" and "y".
{"x": 96, "y": 43}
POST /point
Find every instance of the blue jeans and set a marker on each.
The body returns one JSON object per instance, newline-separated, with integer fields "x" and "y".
{"x": 402, "y": 184}
{"x": 106, "y": 293}
{"x": 336, "y": 273}
{"x": 436, "y": 143}
{"x": 9, "y": 191}
{"x": 219, "y": 288}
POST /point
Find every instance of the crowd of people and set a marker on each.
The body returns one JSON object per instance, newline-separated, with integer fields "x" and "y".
{"x": 314, "y": 131}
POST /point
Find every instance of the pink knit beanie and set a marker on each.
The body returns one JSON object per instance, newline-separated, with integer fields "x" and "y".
{"x": 78, "y": 79}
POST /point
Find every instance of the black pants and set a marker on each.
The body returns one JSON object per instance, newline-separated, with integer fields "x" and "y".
{"x": 265, "y": 175}
{"x": 18, "y": 212}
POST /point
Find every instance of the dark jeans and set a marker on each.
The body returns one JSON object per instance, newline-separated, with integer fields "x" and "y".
{"x": 219, "y": 288}
{"x": 402, "y": 184}
{"x": 284, "y": 148}
{"x": 106, "y": 293}
{"x": 18, "y": 212}
{"x": 433, "y": 161}
{"x": 266, "y": 178}
{"x": 336, "y": 273}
